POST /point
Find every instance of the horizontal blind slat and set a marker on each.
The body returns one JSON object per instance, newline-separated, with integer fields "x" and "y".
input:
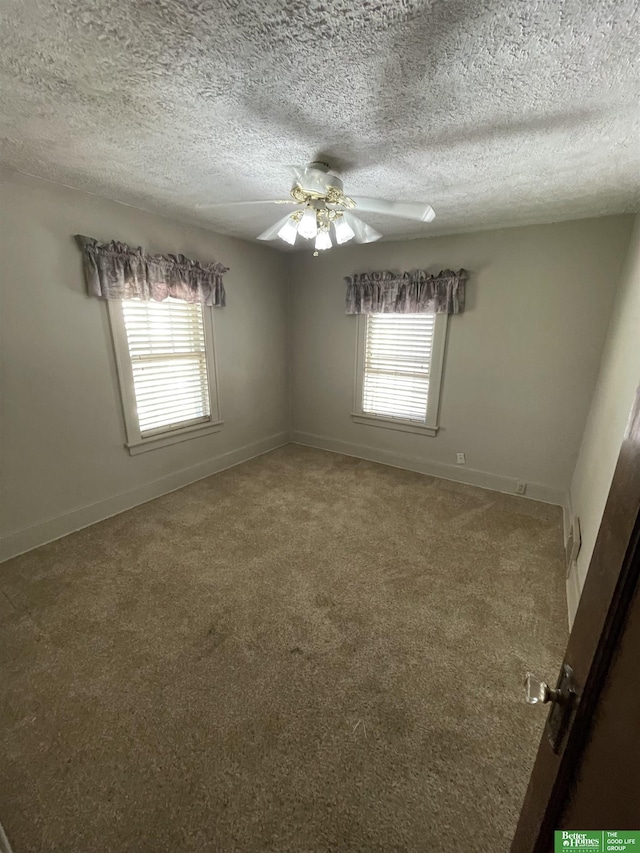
{"x": 167, "y": 402}
{"x": 189, "y": 406}
{"x": 145, "y": 392}
{"x": 174, "y": 425}
{"x": 167, "y": 366}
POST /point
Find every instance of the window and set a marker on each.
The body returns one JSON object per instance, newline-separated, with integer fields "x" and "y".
{"x": 166, "y": 366}
{"x": 398, "y": 371}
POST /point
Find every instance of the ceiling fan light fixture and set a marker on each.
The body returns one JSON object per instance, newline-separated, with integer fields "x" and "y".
{"x": 321, "y": 202}
{"x": 289, "y": 231}
{"x": 308, "y": 227}
{"x": 323, "y": 240}
{"x": 344, "y": 232}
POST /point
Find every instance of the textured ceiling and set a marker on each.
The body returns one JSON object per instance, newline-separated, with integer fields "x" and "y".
{"x": 496, "y": 112}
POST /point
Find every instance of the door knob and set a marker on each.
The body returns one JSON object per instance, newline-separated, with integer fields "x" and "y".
{"x": 538, "y": 692}
{"x": 561, "y": 699}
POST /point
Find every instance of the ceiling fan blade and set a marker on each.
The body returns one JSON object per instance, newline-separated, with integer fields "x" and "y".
{"x": 404, "y": 209}
{"x": 363, "y": 233}
{"x": 241, "y": 203}
{"x": 272, "y": 231}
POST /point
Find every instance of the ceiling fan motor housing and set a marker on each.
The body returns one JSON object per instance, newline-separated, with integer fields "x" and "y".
{"x": 316, "y": 180}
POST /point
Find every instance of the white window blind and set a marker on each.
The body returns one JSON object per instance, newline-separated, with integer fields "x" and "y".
{"x": 169, "y": 362}
{"x": 397, "y": 364}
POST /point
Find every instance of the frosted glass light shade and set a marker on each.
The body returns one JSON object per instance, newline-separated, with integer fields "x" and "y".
{"x": 323, "y": 240}
{"x": 289, "y": 231}
{"x": 344, "y": 232}
{"x": 308, "y": 226}
{"x": 271, "y": 232}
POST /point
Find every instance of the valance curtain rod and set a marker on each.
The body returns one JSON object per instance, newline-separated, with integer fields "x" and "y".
{"x": 116, "y": 271}
{"x": 413, "y": 292}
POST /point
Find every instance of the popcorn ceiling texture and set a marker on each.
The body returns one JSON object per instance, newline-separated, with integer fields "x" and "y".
{"x": 495, "y": 112}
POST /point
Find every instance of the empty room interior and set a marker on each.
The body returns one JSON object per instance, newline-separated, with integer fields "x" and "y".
{"x": 320, "y": 336}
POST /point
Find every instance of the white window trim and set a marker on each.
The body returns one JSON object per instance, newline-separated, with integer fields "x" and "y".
{"x": 135, "y": 443}
{"x": 436, "y": 369}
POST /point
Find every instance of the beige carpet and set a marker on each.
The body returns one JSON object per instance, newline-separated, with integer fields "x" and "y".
{"x": 307, "y": 652}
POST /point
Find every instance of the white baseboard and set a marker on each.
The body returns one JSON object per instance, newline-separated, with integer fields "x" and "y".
{"x": 573, "y": 593}
{"x": 458, "y": 473}
{"x": 5, "y": 847}
{"x": 19, "y": 541}
{"x": 567, "y": 517}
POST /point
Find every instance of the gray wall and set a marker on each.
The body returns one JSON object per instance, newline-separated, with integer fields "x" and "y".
{"x": 520, "y": 369}
{"x": 521, "y": 362}
{"x": 613, "y": 398}
{"x": 63, "y": 460}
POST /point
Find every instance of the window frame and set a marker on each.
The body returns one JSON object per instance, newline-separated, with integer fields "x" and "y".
{"x": 436, "y": 371}
{"x": 135, "y": 443}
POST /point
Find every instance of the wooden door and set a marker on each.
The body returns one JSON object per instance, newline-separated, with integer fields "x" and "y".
{"x": 605, "y": 793}
{"x": 594, "y": 642}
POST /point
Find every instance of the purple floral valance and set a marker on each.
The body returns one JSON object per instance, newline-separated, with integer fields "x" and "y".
{"x": 117, "y": 271}
{"x": 406, "y": 293}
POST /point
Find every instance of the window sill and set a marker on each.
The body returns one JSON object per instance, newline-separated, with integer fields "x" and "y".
{"x": 174, "y": 437}
{"x": 394, "y": 423}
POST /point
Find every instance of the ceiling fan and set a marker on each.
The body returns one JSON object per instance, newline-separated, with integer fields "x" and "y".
{"x": 321, "y": 206}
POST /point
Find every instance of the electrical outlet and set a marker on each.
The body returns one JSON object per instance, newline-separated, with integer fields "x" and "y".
{"x": 521, "y": 487}
{"x": 460, "y": 458}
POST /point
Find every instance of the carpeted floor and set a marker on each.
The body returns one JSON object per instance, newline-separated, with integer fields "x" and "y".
{"x": 307, "y": 652}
